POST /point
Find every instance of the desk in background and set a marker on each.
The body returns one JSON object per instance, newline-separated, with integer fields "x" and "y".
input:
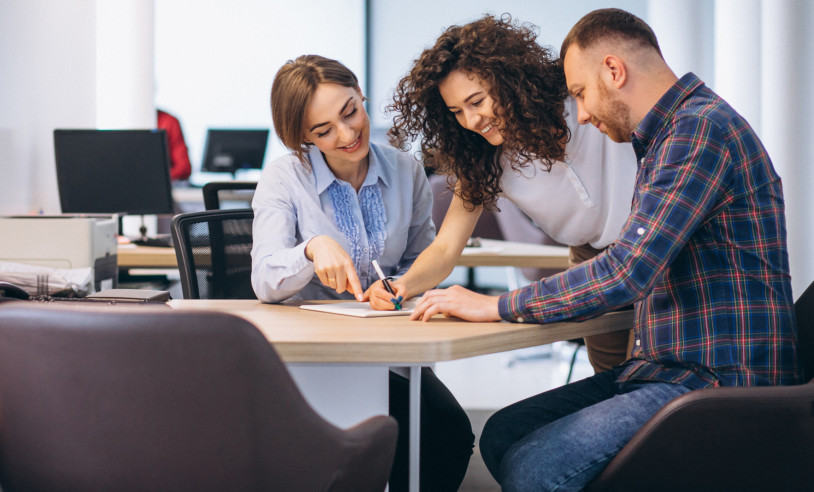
{"x": 132, "y": 256}
{"x": 190, "y": 199}
{"x": 341, "y": 363}
{"x": 492, "y": 253}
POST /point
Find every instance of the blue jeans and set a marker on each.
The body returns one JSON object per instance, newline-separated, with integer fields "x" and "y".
{"x": 563, "y": 438}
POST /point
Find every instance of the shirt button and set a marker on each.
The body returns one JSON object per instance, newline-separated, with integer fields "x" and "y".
{"x": 521, "y": 320}
{"x": 642, "y": 160}
{"x": 365, "y": 250}
{"x": 639, "y": 231}
{"x": 638, "y": 342}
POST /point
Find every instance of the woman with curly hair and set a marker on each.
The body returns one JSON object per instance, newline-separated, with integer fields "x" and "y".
{"x": 491, "y": 110}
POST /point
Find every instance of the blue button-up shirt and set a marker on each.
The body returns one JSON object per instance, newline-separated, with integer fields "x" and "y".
{"x": 703, "y": 252}
{"x": 292, "y": 205}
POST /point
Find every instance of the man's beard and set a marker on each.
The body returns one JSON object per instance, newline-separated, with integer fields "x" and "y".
{"x": 614, "y": 116}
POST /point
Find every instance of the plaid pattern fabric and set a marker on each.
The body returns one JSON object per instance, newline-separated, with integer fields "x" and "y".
{"x": 703, "y": 254}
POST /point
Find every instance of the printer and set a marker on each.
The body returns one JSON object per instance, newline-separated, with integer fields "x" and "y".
{"x": 64, "y": 241}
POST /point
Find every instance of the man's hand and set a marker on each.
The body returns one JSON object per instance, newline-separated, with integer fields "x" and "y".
{"x": 458, "y": 302}
{"x": 333, "y": 265}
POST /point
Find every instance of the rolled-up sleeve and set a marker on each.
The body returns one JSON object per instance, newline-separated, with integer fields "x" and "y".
{"x": 677, "y": 191}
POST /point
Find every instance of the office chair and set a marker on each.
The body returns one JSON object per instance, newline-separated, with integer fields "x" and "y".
{"x": 213, "y": 249}
{"x": 744, "y": 439}
{"x": 211, "y": 191}
{"x": 578, "y": 343}
{"x": 149, "y": 398}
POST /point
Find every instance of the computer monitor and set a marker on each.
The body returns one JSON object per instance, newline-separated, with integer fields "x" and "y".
{"x": 113, "y": 171}
{"x": 228, "y": 151}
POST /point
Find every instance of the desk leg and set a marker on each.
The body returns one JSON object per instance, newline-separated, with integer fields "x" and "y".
{"x": 415, "y": 425}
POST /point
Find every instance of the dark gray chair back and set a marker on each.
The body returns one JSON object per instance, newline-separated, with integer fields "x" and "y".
{"x": 100, "y": 398}
{"x": 212, "y": 192}
{"x": 745, "y": 439}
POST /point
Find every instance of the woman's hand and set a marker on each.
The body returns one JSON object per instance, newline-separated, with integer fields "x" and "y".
{"x": 333, "y": 265}
{"x": 380, "y": 299}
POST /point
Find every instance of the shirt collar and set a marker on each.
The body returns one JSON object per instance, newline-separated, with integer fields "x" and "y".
{"x": 324, "y": 176}
{"x": 663, "y": 111}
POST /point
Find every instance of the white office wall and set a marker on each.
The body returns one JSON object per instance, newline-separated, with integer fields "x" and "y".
{"x": 215, "y": 60}
{"x": 786, "y": 105}
{"x": 738, "y": 40}
{"x": 124, "y": 64}
{"x": 47, "y": 81}
{"x": 686, "y": 33}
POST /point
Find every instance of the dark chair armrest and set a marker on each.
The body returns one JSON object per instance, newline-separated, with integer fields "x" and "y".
{"x": 756, "y": 438}
{"x": 368, "y": 452}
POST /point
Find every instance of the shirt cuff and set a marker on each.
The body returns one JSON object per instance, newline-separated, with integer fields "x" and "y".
{"x": 511, "y": 305}
{"x": 301, "y": 262}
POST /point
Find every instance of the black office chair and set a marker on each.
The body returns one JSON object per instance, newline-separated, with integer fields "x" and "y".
{"x": 578, "y": 343}
{"x": 99, "y": 398}
{"x": 213, "y": 189}
{"x": 213, "y": 249}
{"x": 744, "y": 439}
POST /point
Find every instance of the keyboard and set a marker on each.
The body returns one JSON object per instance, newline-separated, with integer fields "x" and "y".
{"x": 161, "y": 241}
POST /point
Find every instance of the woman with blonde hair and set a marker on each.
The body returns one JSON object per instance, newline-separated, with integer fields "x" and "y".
{"x": 331, "y": 207}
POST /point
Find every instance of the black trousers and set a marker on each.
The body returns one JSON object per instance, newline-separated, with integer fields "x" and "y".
{"x": 446, "y": 435}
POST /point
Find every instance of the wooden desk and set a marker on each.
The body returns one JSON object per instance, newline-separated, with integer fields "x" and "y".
{"x": 300, "y": 335}
{"x": 492, "y": 253}
{"x": 510, "y": 254}
{"x": 132, "y": 256}
{"x": 341, "y": 363}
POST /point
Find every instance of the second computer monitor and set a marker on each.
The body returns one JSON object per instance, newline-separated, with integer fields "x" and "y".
{"x": 228, "y": 151}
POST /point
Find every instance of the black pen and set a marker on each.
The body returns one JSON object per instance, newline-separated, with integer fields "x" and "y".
{"x": 386, "y": 284}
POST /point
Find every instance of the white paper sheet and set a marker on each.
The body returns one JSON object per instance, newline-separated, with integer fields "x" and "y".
{"x": 360, "y": 309}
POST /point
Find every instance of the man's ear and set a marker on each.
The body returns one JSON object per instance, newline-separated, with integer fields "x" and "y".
{"x": 614, "y": 71}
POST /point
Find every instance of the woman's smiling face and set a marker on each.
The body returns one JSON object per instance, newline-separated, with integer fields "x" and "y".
{"x": 469, "y": 100}
{"x": 337, "y": 123}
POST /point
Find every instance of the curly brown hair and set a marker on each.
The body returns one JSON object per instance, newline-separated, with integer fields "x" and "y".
{"x": 524, "y": 79}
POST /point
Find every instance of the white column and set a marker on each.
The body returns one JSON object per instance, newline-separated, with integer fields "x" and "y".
{"x": 738, "y": 56}
{"x": 786, "y": 106}
{"x": 124, "y": 73}
{"x": 47, "y": 81}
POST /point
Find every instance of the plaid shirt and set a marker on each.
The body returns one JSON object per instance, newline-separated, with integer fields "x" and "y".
{"x": 703, "y": 255}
